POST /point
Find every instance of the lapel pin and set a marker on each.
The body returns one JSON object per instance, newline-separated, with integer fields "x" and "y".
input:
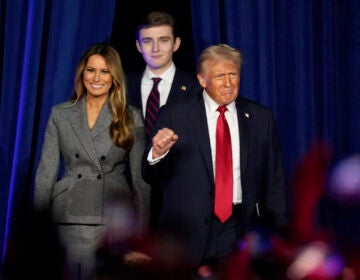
{"x": 183, "y": 87}
{"x": 247, "y": 115}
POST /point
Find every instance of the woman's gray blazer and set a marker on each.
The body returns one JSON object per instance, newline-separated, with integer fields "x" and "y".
{"x": 94, "y": 166}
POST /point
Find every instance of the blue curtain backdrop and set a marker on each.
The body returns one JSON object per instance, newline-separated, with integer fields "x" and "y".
{"x": 301, "y": 59}
{"x": 40, "y": 43}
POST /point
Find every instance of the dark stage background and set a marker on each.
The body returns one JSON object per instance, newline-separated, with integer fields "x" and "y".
{"x": 124, "y": 31}
{"x": 302, "y": 59}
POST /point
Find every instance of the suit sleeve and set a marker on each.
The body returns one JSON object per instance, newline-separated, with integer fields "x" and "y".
{"x": 156, "y": 173}
{"x": 274, "y": 202}
{"x": 48, "y": 168}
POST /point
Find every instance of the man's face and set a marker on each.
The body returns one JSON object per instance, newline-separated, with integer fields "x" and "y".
{"x": 221, "y": 79}
{"x": 157, "y": 45}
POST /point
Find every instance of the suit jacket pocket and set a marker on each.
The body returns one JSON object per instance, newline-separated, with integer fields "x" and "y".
{"x": 60, "y": 187}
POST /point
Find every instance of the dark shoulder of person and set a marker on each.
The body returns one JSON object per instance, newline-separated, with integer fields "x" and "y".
{"x": 133, "y": 88}
{"x": 190, "y": 81}
{"x": 253, "y": 109}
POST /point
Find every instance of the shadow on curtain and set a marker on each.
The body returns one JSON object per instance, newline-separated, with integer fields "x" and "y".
{"x": 40, "y": 43}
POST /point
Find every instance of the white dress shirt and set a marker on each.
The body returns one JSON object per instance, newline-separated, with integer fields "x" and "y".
{"x": 164, "y": 85}
{"x": 231, "y": 117}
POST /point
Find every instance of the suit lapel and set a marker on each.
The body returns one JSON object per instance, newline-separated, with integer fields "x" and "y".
{"x": 178, "y": 86}
{"x": 197, "y": 115}
{"x": 244, "y": 118}
{"x": 81, "y": 130}
{"x": 103, "y": 121}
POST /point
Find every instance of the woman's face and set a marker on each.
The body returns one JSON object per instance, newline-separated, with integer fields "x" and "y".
{"x": 97, "y": 77}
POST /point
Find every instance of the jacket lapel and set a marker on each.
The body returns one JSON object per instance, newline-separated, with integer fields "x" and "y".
{"x": 197, "y": 115}
{"x": 178, "y": 87}
{"x": 103, "y": 121}
{"x": 244, "y": 118}
{"x": 81, "y": 129}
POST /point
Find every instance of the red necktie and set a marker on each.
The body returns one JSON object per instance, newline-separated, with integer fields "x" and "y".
{"x": 152, "y": 107}
{"x": 223, "y": 169}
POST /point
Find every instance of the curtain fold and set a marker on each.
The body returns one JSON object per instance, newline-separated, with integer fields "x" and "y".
{"x": 301, "y": 60}
{"x": 41, "y": 42}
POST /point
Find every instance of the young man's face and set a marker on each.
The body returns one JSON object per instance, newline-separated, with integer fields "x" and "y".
{"x": 157, "y": 45}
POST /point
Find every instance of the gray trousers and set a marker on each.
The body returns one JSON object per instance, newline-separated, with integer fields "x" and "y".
{"x": 80, "y": 242}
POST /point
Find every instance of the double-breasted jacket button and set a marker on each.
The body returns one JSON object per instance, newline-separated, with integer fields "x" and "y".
{"x": 77, "y": 155}
{"x": 79, "y": 176}
{"x": 206, "y": 221}
{"x": 102, "y": 158}
{"x": 99, "y": 176}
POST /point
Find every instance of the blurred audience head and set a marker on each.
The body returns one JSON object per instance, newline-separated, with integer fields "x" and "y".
{"x": 344, "y": 181}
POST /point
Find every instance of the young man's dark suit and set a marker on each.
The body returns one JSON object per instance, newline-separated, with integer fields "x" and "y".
{"x": 187, "y": 177}
{"x": 183, "y": 84}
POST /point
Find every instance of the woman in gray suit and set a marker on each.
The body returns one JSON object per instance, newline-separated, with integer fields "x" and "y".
{"x": 97, "y": 135}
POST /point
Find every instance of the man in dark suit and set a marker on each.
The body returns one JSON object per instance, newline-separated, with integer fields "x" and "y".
{"x": 157, "y": 42}
{"x": 184, "y": 154}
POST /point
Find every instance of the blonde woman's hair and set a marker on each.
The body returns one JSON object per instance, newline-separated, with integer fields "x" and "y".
{"x": 122, "y": 123}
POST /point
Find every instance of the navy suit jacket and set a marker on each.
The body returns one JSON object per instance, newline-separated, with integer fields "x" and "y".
{"x": 186, "y": 173}
{"x": 184, "y": 83}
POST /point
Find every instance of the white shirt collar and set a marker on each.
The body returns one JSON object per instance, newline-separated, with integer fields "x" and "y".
{"x": 167, "y": 76}
{"x": 211, "y": 106}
